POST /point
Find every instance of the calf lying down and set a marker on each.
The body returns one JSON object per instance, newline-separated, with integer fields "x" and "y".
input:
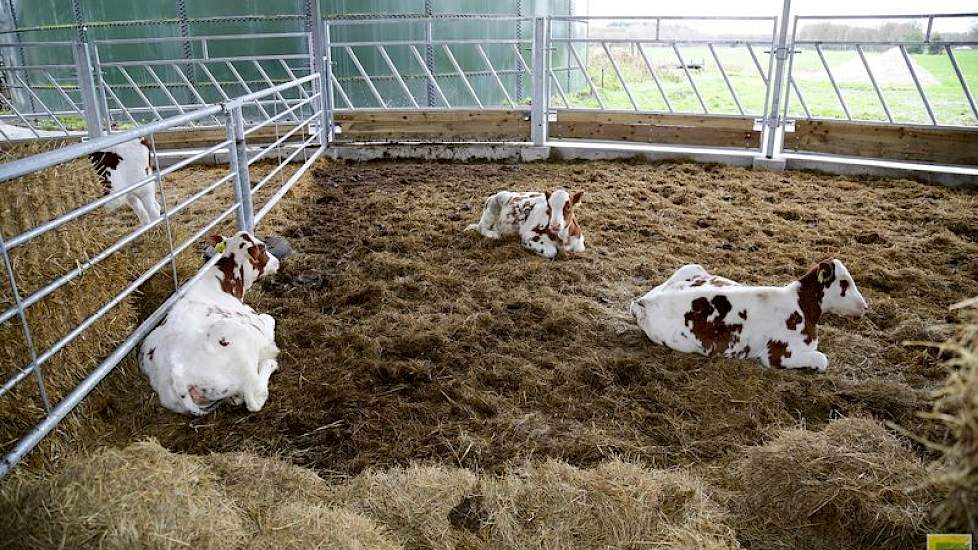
{"x": 696, "y": 312}
{"x": 212, "y": 346}
{"x": 544, "y": 222}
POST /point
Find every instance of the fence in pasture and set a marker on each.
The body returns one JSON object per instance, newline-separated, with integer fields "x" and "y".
{"x": 637, "y": 79}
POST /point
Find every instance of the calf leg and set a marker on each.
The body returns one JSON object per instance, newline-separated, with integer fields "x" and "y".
{"x": 137, "y": 206}
{"x": 147, "y": 196}
{"x": 256, "y": 393}
{"x": 806, "y": 360}
{"x": 540, "y": 246}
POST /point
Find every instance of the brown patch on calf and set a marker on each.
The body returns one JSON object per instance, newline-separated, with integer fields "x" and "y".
{"x": 794, "y": 320}
{"x": 258, "y": 256}
{"x": 103, "y": 162}
{"x": 715, "y": 335}
{"x": 573, "y": 229}
{"x": 776, "y": 352}
{"x": 810, "y": 295}
{"x": 233, "y": 280}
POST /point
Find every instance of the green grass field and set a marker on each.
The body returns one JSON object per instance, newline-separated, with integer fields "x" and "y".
{"x": 946, "y": 96}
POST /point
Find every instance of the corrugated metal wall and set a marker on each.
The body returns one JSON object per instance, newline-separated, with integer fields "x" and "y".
{"x": 146, "y": 16}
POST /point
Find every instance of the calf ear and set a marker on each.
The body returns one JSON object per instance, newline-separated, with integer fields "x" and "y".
{"x": 826, "y": 272}
{"x": 577, "y": 197}
{"x": 214, "y": 240}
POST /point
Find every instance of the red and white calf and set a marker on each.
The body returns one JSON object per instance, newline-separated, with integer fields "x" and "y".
{"x": 212, "y": 346}
{"x": 544, "y": 222}
{"x": 123, "y": 165}
{"x": 696, "y": 312}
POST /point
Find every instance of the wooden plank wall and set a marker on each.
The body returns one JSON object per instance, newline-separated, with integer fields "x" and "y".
{"x": 858, "y": 139}
{"x": 460, "y": 125}
{"x": 671, "y": 129}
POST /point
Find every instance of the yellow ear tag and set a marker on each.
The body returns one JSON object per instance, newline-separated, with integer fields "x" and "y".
{"x": 219, "y": 248}
{"x": 821, "y": 274}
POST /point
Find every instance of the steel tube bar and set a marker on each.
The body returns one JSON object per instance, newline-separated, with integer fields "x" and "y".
{"x": 397, "y": 75}
{"x": 655, "y": 77}
{"x": 366, "y": 78}
{"x": 539, "y": 100}
{"x": 962, "y": 81}
{"x": 238, "y": 157}
{"x": 461, "y": 74}
{"x": 876, "y": 86}
{"x": 89, "y": 96}
{"x": 44, "y": 106}
{"x": 246, "y": 88}
{"x": 689, "y": 77}
{"x": 835, "y": 86}
{"x": 34, "y": 365}
{"x": 139, "y": 92}
{"x": 495, "y": 75}
{"x": 587, "y": 78}
{"x": 164, "y": 88}
{"x": 916, "y": 81}
{"x": 431, "y": 77}
{"x": 773, "y": 122}
{"x": 726, "y": 79}
{"x": 614, "y": 66}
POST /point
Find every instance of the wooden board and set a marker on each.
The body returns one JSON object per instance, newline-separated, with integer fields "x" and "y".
{"x": 470, "y": 125}
{"x": 916, "y": 143}
{"x": 744, "y": 123}
{"x": 206, "y": 137}
{"x": 702, "y": 130}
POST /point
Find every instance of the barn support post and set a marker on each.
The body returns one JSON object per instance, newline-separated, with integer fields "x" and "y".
{"x": 94, "y": 118}
{"x": 774, "y": 123}
{"x": 319, "y": 50}
{"x": 238, "y": 158}
{"x": 539, "y": 101}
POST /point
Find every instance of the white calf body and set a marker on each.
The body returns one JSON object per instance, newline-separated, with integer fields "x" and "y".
{"x": 212, "y": 346}
{"x": 120, "y": 167}
{"x": 544, "y": 222}
{"x": 696, "y": 312}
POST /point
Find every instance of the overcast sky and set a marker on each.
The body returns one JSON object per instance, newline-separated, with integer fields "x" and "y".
{"x": 800, "y": 7}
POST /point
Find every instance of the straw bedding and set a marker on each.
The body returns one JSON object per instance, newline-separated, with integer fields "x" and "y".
{"x": 406, "y": 341}
{"x": 28, "y": 202}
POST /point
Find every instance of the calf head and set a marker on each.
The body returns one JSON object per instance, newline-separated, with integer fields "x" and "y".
{"x": 832, "y": 286}
{"x": 562, "y": 222}
{"x": 244, "y": 260}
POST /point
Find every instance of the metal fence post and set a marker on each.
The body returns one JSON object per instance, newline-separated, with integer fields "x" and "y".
{"x": 539, "y": 101}
{"x": 773, "y": 121}
{"x": 86, "y": 85}
{"x": 319, "y": 49}
{"x": 238, "y": 158}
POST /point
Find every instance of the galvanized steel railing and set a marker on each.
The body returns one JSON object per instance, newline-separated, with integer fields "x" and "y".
{"x": 852, "y": 54}
{"x": 303, "y": 118}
